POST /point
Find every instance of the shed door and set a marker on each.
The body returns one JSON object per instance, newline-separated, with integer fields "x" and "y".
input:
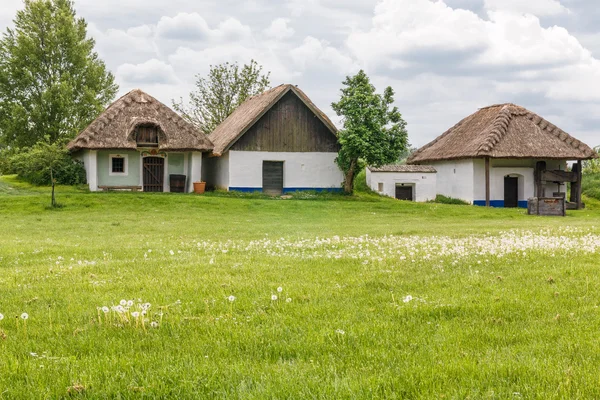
{"x": 404, "y": 192}
{"x": 273, "y": 177}
{"x": 154, "y": 172}
{"x": 511, "y": 192}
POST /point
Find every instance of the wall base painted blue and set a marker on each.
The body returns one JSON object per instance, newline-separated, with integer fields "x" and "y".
{"x": 287, "y": 190}
{"x": 498, "y": 203}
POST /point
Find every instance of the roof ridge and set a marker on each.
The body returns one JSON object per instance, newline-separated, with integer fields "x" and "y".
{"x": 499, "y": 129}
{"x": 552, "y": 129}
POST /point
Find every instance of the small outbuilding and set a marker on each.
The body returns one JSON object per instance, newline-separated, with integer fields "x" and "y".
{"x": 503, "y": 155}
{"x": 276, "y": 142}
{"x": 138, "y": 143}
{"x": 404, "y": 182}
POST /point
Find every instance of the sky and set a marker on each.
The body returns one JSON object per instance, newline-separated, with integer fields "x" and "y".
{"x": 444, "y": 59}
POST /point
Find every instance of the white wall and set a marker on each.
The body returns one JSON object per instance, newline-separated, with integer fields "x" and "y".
{"x": 195, "y": 160}
{"x": 424, "y": 183}
{"x": 455, "y": 179}
{"x": 90, "y": 163}
{"x": 300, "y": 170}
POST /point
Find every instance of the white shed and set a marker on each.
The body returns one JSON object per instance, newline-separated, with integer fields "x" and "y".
{"x": 403, "y": 182}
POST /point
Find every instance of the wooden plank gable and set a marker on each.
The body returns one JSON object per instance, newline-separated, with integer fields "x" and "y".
{"x": 289, "y": 126}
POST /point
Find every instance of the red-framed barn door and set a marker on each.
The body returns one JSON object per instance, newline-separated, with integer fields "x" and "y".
{"x": 154, "y": 173}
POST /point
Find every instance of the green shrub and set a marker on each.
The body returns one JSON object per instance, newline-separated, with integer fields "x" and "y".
{"x": 591, "y": 185}
{"x": 34, "y": 165}
{"x": 448, "y": 200}
{"x": 360, "y": 182}
{"x": 5, "y": 161}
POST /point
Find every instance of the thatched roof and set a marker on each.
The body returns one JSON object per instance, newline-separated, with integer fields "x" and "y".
{"x": 115, "y": 127}
{"x": 403, "y": 168}
{"x": 249, "y": 112}
{"x": 503, "y": 131}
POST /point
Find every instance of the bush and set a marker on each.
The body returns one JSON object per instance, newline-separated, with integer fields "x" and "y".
{"x": 34, "y": 165}
{"x": 591, "y": 186}
{"x": 5, "y": 164}
{"x": 360, "y": 182}
{"x": 449, "y": 200}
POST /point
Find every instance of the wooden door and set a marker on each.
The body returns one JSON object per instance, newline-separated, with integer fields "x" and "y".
{"x": 511, "y": 191}
{"x": 273, "y": 177}
{"x": 404, "y": 192}
{"x": 154, "y": 172}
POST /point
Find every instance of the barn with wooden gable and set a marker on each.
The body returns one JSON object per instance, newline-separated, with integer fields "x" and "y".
{"x": 503, "y": 155}
{"x": 138, "y": 143}
{"x": 276, "y": 142}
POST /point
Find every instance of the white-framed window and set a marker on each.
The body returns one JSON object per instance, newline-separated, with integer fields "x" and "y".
{"x": 117, "y": 165}
{"x": 380, "y": 186}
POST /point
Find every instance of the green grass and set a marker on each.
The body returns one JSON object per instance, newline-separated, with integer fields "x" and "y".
{"x": 522, "y": 324}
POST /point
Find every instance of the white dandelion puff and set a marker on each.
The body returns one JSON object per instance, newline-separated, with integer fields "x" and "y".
{"x": 1, "y": 317}
{"x": 154, "y": 324}
{"x": 340, "y": 331}
{"x": 288, "y": 300}
{"x": 130, "y": 303}
{"x": 171, "y": 252}
{"x": 231, "y": 298}
{"x": 279, "y": 289}
{"x": 123, "y": 302}
{"x": 407, "y": 298}
{"x": 273, "y": 297}
{"x": 24, "y": 316}
{"x": 135, "y": 314}
{"x": 105, "y": 309}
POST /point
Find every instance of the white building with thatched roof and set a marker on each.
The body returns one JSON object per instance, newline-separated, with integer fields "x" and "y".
{"x": 503, "y": 155}
{"x": 138, "y": 143}
{"x": 276, "y": 142}
{"x": 404, "y": 182}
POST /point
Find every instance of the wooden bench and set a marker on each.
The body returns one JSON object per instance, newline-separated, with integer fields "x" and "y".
{"x": 130, "y": 188}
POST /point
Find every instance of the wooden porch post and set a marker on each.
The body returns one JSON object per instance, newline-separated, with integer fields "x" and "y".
{"x": 579, "y": 179}
{"x": 487, "y": 181}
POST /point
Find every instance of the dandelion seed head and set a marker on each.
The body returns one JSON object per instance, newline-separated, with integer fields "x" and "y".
{"x": 105, "y": 309}
{"x": 135, "y": 314}
{"x": 130, "y": 303}
{"x": 407, "y": 298}
{"x": 288, "y": 300}
{"x": 231, "y": 298}
{"x": 279, "y": 289}
{"x": 154, "y": 324}
{"x": 273, "y": 297}
{"x": 24, "y": 316}
{"x": 1, "y": 317}
{"x": 123, "y": 302}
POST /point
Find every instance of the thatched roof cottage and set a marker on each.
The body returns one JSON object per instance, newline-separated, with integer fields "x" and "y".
{"x": 137, "y": 143}
{"x": 275, "y": 142}
{"x": 502, "y": 155}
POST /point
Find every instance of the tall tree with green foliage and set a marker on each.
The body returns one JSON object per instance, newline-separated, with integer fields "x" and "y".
{"x": 52, "y": 83}
{"x": 221, "y": 92}
{"x": 374, "y": 132}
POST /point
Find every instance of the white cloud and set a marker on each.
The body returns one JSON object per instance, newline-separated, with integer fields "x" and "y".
{"x": 535, "y": 7}
{"x": 314, "y": 53}
{"x": 152, "y": 72}
{"x": 183, "y": 26}
{"x": 279, "y": 29}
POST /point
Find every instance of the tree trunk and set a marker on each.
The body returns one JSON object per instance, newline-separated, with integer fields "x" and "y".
{"x": 349, "y": 178}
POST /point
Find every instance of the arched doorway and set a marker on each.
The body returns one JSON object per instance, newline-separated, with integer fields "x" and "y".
{"x": 153, "y": 174}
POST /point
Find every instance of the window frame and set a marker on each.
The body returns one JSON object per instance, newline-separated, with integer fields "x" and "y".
{"x": 125, "y": 165}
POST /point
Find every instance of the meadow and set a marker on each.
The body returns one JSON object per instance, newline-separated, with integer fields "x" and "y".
{"x": 140, "y": 295}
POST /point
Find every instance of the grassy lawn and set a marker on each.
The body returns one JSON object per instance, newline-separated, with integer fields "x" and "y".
{"x": 378, "y": 298}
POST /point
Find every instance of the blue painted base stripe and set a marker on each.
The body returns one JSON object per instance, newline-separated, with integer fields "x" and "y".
{"x": 499, "y": 203}
{"x": 287, "y": 190}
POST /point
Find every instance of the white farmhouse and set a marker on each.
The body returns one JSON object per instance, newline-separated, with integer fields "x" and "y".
{"x": 276, "y": 142}
{"x": 404, "y": 182}
{"x": 502, "y": 155}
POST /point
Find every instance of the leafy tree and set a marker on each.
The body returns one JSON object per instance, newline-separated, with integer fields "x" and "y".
{"x": 373, "y": 134}
{"x": 221, "y": 92}
{"x": 52, "y": 83}
{"x": 592, "y": 166}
